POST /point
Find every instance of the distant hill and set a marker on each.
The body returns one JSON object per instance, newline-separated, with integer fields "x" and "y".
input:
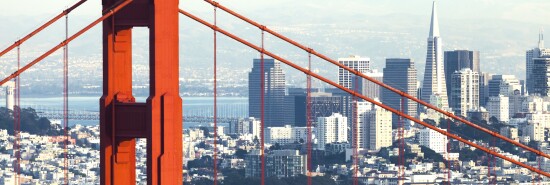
{"x": 30, "y": 122}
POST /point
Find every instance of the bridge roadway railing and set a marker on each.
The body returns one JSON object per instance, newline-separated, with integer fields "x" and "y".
{"x": 84, "y": 115}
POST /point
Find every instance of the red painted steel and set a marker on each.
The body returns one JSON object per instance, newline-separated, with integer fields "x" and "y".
{"x": 262, "y": 112}
{"x": 66, "y": 41}
{"x": 66, "y": 102}
{"x": 411, "y": 97}
{"x": 215, "y": 105}
{"x": 45, "y": 25}
{"x": 17, "y": 121}
{"x": 453, "y": 136}
{"x": 308, "y": 122}
{"x": 448, "y": 150}
{"x": 159, "y": 120}
{"x": 401, "y": 157}
{"x": 355, "y": 129}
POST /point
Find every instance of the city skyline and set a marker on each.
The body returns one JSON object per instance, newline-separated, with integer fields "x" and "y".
{"x": 475, "y": 38}
{"x": 188, "y": 115}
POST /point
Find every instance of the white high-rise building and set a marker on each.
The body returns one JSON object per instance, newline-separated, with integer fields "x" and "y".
{"x": 378, "y": 123}
{"x": 10, "y": 94}
{"x": 530, "y": 55}
{"x": 434, "y": 75}
{"x": 332, "y": 129}
{"x": 358, "y": 63}
{"x": 362, "y": 136}
{"x": 247, "y": 126}
{"x": 464, "y": 91}
{"x": 285, "y": 135}
{"x": 498, "y": 107}
{"x": 433, "y": 140}
{"x": 534, "y": 130}
{"x": 515, "y": 103}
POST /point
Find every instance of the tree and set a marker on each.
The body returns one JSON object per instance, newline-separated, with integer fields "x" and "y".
{"x": 493, "y": 120}
{"x": 276, "y": 146}
{"x": 30, "y": 122}
{"x": 205, "y": 131}
{"x": 240, "y": 153}
{"x": 430, "y": 154}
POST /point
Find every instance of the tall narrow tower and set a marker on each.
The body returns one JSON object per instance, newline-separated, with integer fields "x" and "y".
{"x": 10, "y": 91}
{"x": 434, "y": 76}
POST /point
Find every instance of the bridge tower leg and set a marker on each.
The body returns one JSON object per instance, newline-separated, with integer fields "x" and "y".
{"x": 159, "y": 119}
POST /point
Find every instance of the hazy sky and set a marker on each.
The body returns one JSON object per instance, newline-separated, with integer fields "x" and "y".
{"x": 495, "y": 27}
{"x": 535, "y": 11}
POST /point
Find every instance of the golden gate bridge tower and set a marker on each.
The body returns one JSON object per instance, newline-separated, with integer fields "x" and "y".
{"x": 158, "y": 120}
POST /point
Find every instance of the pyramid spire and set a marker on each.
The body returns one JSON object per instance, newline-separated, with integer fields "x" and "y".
{"x": 434, "y": 25}
{"x": 541, "y": 38}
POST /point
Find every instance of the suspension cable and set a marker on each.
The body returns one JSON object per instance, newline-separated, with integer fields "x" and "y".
{"x": 400, "y": 132}
{"x": 448, "y": 155}
{"x": 395, "y": 90}
{"x": 51, "y": 21}
{"x": 108, "y": 14}
{"x": 287, "y": 62}
{"x": 262, "y": 108}
{"x": 355, "y": 134}
{"x": 215, "y": 105}
{"x": 308, "y": 117}
{"x": 17, "y": 121}
{"x": 66, "y": 99}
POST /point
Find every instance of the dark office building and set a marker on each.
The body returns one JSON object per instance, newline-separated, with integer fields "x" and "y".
{"x": 400, "y": 73}
{"x": 274, "y": 92}
{"x": 323, "y": 104}
{"x": 455, "y": 61}
{"x": 541, "y": 76}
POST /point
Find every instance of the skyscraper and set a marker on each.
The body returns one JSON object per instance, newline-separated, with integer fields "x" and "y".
{"x": 434, "y": 78}
{"x": 378, "y": 123}
{"x": 355, "y": 62}
{"x": 323, "y": 104}
{"x": 400, "y": 73}
{"x": 274, "y": 89}
{"x": 368, "y": 88}
{"x": 498, "y": 107}
{"x": 457, "y": 60}
{"x": 464, "y": 91}
{"x": 541, "y": 76}
{"x": 538, "y": 52}
{"x": 503, "y": 85}
{"x": 484, "y": 79}
{"x": 332, "y": 129}
{"x": 360, "y": 128}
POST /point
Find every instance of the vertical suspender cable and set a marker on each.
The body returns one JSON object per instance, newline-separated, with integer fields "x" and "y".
{"x": 17, "y": 120}
{"x": 540, "y": 177}
{"x": 489, "y": 158}
{"x": 308, "y": 119}
{"x": 215, "y": 106}
{"x": 66, "y": 99}
{"x": 355, "y": 133}
{"x": 448, "y": 150}
{"x": 262, "y": 112}
{"x": 400, "y": 132}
